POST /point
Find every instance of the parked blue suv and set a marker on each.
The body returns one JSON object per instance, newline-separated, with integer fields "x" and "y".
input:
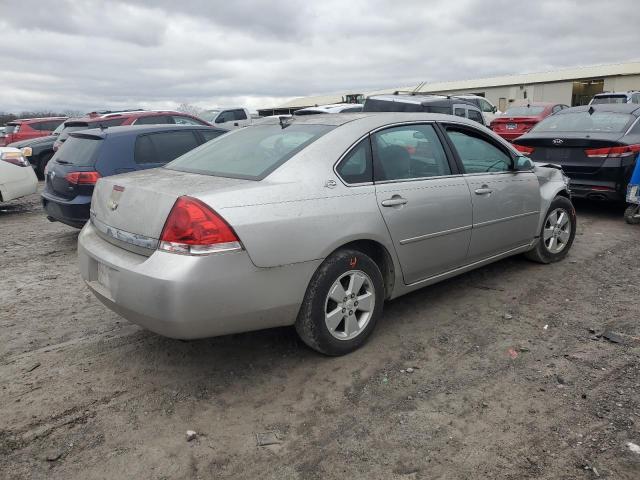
{"x": 90, "y": 154}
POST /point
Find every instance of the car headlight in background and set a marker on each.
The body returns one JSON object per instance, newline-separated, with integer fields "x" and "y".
{"x": 26, "y": 151}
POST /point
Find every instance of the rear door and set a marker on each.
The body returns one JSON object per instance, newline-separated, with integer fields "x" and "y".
{"x": 423, "y": 199}
{"x": 154, "y": 150}
{"x": 506, "y": 203}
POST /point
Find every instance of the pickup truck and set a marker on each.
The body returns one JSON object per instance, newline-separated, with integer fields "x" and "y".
{"x": 228, "y": 118}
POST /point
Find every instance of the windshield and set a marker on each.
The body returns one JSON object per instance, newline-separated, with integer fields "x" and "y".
{"x": 523, "y": 111}
{"x": 210, "y": 115}
{"x": 609, "y": 99}
{"x": 584, "y": 122}
{"x": 250, "y": 153}
{"x": 58, "y": 129}
{"x": 9, "y": 129}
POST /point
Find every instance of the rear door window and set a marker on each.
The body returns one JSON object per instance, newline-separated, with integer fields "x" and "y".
{"x": 163, "y": 147}
{"x": 408, "y": 152}
{"x": 239, "y": 114}
{"x": 476, "y": 116}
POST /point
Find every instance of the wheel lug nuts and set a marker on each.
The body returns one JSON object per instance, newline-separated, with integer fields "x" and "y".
{"x": 345, "y": 299}
{"x": 355, "y": 304}
{"x": 344, "y": 310}
{"x": 350, "y": 312}
{"x": 353, "y": 295}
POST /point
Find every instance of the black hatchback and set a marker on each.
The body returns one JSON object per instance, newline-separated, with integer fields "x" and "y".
{"x": 596, "y": 145}
{"x": 88, "y": 155}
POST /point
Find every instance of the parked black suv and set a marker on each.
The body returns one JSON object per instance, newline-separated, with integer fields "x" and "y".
{"x": 420, "y": 102}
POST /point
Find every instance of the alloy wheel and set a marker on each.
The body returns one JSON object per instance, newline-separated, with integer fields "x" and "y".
{"x": 557, "y": 230}
{"x": 349, "y": 305}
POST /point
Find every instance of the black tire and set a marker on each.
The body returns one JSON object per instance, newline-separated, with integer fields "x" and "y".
{"x": 311, "y": 325}
{"x": 632, "y": 214}
{"x": 541, "y": 253}
{"x": 42, "y": 163}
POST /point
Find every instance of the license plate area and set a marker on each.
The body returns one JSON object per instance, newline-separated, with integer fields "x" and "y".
{"x": 512, "y": 126}
{"x": 558, "y": 154}
{"x": 104, "y": 276}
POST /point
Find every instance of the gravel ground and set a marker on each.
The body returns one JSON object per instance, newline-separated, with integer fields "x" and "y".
{"x": 504, "y": 373}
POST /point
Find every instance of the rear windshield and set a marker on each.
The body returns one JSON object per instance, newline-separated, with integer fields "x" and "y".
{"x": 79, "y": 151}
{"x": 584, "y": 122}
{"x": 251, "y": 153}
{"x": 523, "y": 111}
{"x": 609, "y": 99}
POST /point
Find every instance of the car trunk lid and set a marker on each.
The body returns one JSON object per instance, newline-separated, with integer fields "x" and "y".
{"x": 514, "y": 124}
{"x": 569, "y": 151}
{"x": 134, "y": 207}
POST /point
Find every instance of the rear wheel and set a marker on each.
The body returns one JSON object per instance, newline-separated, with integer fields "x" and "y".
{"x": 557, "y": 234}
{"x": 632, "y": 214}
{"x": 342, "y": 303}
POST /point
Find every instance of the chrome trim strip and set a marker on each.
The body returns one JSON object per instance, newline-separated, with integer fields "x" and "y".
{"x": 470, "y": 265}
{"x": 434, "y": 235}
{"x": 417, "y": 179}
{"x": 142, "y": 241}
{"x": 512, "y": 217}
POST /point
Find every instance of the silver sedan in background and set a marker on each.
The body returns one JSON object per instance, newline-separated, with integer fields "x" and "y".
{"x": 315, "y": 222}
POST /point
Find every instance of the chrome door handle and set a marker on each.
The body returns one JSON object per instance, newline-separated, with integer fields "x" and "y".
{"x": 394, "y": 201}
{"x": 483, "y": 191}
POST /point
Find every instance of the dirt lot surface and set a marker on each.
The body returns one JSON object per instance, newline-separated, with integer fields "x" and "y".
{"x": 508, "y": 380}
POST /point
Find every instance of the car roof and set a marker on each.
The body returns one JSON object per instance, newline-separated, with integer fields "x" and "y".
{"x": 632, "y": 108}
{"x": 617, "y": 94}
{"x": 422, "y": 99}
{"x": 138, "y": 129}
{"x": 39, "y": 119}
{"x": 373, "y": 118}
{"x": 127, "y": 114}
{"x": 534, "y": 104}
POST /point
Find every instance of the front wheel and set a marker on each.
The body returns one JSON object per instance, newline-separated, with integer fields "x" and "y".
{"x": 632, "y": 214}
{"x": 342, "y": 303}
{"x": 557, "y": 234}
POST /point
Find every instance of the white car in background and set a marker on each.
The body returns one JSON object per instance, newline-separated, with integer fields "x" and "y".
{"x": 229, "y": 118}
{"x": 17, "y": 178}
{"x": 332, "y": 108}
{"x": 488, "y": 109}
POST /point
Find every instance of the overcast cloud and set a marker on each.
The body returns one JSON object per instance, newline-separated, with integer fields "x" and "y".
{"x": 86, "y": 55}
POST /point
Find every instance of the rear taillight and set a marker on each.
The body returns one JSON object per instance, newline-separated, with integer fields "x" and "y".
{"x": 82, "y": 178}
{"x": 524, "y": 149}
{"x": 193, "y": 228}
{"x": 15, "y": 158}
{"x": 622, "y": 151}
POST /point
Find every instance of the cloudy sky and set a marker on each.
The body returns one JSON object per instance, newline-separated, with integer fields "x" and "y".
{"x": 85, "y": 55}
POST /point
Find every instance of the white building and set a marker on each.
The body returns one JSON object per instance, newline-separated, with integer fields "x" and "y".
{"x": 574, "y": 86}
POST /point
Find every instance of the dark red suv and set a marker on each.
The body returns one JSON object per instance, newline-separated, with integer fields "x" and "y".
{"x": 27, "y": 128}
{"x": 132, "y": 117}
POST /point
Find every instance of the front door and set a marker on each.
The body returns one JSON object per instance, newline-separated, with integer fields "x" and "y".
{"x": 506, "y": 202}
{"x": 424, "y": 200}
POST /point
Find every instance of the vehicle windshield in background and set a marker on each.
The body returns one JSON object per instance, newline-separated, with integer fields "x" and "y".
{"x": 251, "y": 153}
{"x": 523, "y": 111}
{"x": 609, "y": 99}
{"x": 9, "y": 129}
{"x": 210, "y": 115}
{"x": 79, "y": 151}
{"x": 584, "y": 122}
{"x": 58, "y": 129}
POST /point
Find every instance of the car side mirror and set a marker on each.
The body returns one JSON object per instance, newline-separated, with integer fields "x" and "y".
{"x": 494, "y": 109}
{"x": 523, "y": 164}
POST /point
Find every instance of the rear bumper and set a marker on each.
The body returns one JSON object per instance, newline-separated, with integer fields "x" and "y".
{"x": 189, "y": 297}
{"x": 74, "y": 213}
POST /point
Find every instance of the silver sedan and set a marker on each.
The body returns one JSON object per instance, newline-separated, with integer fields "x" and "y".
{"x": 315, "y": 222}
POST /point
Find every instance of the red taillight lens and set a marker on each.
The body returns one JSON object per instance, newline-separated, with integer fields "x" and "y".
{"x": 193, "y": 228}
{"x": 524, "y": 149}
{"x": 82, "y": 178}
{"x": 622, "y": 151}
